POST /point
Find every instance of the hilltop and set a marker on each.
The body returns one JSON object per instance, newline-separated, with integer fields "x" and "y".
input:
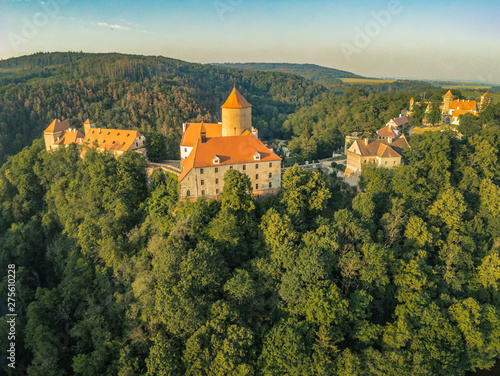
{"x": 316, "y": 73}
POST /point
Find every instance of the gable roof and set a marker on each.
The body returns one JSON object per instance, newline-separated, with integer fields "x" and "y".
{"x": 230, "y": 150}
{"x": 380, "y": 148}
{"x": 236, "y": 100}
{"x": 193, "y": 132}
{"x": 71, "y": 136}
{"x": 56, "y": 126}
{"x": 388, "y": 131}
{"x": 463, "y": 105}
{"x": 399, "y": 121}
{"x": 112, "y": 139}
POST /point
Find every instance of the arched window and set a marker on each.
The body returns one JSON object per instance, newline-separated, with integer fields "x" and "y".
{"x": 188, "y": 193}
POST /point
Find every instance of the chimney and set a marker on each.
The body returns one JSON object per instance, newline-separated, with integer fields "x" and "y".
{"x": 99, "y": 130}
{"x": 366, "y": 141}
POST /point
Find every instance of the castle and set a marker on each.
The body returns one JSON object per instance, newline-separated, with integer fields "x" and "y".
{"x": 452, "y": 109}
{"x": 208, "y": 150}
{"x": 112, "y": 141}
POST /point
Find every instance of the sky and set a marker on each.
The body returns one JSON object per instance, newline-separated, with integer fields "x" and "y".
{"x": 438, "y": 40}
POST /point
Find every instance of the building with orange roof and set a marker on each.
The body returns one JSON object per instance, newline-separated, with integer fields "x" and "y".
{"x": 112, "y": 141}
{"x": 386, "y": 151}
{"x": 208, "y": 150}
{"x": 452, "y": 108}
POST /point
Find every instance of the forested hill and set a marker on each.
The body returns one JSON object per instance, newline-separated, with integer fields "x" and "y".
{"x": 115, "y": 276}
{"x": 147, "y": 93}
{"x": 313, "y": 72}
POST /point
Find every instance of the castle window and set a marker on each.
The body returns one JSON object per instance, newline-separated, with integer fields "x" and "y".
{"x": 244, "y": 167}
{"x": 201, "y": 171}
{"x": 217, "y": 191}
{"x": 270, "y": 164}
{"x": 256, "y": 186}
{"x": 270, "y": 185}
{"x": 216, "y": 169}
{"x": 137, "y": 144}
{"x": 202, "y": 182}
{"x": 270, "y": 175}
{"x": 188, "y": 193}
{"x": 215, "y": 159}
{"x": 203, "y": 193}
{"x": 185, "y": 150}
{"x": 256, "y": 176}
{"x": 216, "y": 181}
{"x": 256, "y": 166}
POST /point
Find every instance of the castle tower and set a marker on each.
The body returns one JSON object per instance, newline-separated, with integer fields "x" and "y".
{"x": 486, "y": 99}
{"x": 53, "y": 132}
{"x": 412, "y": 102}
{"x": 236, "y": 115}
{"x": 87, "y": 125}
{"x": 447, "y": 99}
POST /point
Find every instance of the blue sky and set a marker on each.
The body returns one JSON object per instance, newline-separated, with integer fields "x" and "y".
{"x": 406, "y": 38}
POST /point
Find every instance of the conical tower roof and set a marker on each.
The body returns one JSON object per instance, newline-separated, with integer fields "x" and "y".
{"x": 487, "y": 95}
{"x": 448, "y": 94}
{"x": 236, "y": 100}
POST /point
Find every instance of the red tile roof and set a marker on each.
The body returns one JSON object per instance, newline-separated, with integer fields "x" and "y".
{"x": 463, "y": 105}
{"x": 448, "y": 94}
{"x": 399, "y": 121}
{"x": 236, "y": 100}
{"x": 56, "y": 126}
{"x": 487, "y": 95}
{"x": 193, "y": 132}
{"x": 388, "y": 131}
{"x": 112, "y": 139}
{"x": 230, "y": 150}
{"x": 71, "y": 136}
{"x": 457, "y": 113}
{"x": 382, "y": 148}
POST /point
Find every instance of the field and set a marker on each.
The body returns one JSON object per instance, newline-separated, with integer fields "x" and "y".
{"x": 466, "y": 87}
{"x": 368, "y": 81}
{"x": 476, "y": 94}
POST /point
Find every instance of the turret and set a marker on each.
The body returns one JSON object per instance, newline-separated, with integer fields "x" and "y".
{"x": 447, "y": 99}
{"x": 486, "y": 99}
{"x": 53, "y": 132}
{"x": 412, "y": 102}
{"x": 236, "y": 115}
{"x": 87, "y": 125}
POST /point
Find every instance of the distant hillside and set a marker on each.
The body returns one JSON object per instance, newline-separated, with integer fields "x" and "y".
{"x": 147, "y": 93}
{"x": 316, "y": 73}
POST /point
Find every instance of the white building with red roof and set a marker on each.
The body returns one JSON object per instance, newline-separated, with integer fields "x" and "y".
{"x": 208, "y": 150}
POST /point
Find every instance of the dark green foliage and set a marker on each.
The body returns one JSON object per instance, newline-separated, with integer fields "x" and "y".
{"x": 153, "y": 95}
{"x": 116, "y": 277}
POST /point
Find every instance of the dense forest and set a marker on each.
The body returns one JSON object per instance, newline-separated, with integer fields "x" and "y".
{"x": 116, "y": 277}
{"x": 149, "y": 94}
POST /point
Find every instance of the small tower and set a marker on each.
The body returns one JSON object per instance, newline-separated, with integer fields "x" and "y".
{"x": 87, "y": 125}
{"x": 236, "y": 115}
{"x": 486, "y": 99}
{"x": 53, "y": 132}
{"x": 447, "y": 99}
{"x": 412, "y": 102}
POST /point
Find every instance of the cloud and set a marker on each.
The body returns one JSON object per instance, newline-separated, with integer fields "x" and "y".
{"x": 119, "y": 27}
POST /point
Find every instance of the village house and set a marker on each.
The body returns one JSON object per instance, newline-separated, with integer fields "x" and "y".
{"x": 385, "y": 151}
{"x": 112, "y": 141}
{"x": 208, "y": 150}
